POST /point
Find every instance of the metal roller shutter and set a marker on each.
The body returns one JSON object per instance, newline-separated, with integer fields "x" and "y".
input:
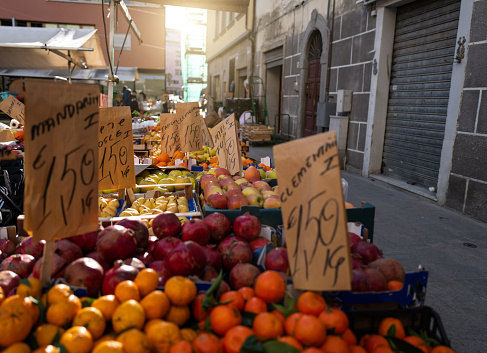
{"x": 424, "y": 47}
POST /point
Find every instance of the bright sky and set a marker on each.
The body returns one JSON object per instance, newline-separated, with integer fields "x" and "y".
{"x": 175, "y": 17}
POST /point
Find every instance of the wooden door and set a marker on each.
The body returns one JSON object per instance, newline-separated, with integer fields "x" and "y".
{"x": 312, "y": 96}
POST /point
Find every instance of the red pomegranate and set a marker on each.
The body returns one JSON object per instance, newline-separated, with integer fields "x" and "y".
{"x": 227, "y": 241}
{"x": 213, "y": 257}
{"x": 368, "y": 251}
{"x": 95, "y": 256}
{"x": 164, "y": 247}
{"x": 85, "y": 272}
{"x": 209, "y": 273}
{"x": 368, "y": 280}
{"x": 141, "y": 231}
{"x": 145, "y": 257}
{"x": 58, "y": 266}
{"x": 357, "y": 261}
{"x": 116, "y": 242}
{"x": 118, "y": 273}
{"x": 186, "y": 259}
{"x": 219, "y": 225}
{"x": 259, "y": 242}
{"x": 161, "y": 269}
{"x": 247, "y": 226}
{"x": 7, "y": 247}
{"x": 277, "y": 260}
{"x": 243, "y": 275}
{"x": 21, "y": 264}
{"x": 353, "y": 239}
{"x": 8, "y": 281}
{"x": 236, "y": 252}
{"x": 196, "y": 230}
{"x": 67, "y": 249}
{"x": 166, "y": 225}
{"x": 87, "y": 241}
{"x": 152, "y": 243}
{"x": 224, "y": 287}
{"x": 135, "y": 262}
{"x": 390, "y": 268}
{"x": 29, "y": 246}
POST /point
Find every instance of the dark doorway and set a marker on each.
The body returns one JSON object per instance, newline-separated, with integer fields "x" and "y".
{"x": 312, "y": 84}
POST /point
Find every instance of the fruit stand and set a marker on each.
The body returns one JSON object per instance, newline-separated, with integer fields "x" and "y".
{"x": 182, "y": 261}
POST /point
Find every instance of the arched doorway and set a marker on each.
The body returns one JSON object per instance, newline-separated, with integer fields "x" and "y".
{"x": 312, "y": 92}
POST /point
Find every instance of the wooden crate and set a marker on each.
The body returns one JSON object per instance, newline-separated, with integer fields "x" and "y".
{"x": 255, "y": 133}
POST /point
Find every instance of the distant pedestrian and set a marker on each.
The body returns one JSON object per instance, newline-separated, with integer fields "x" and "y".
{"x": 127, "y": 96}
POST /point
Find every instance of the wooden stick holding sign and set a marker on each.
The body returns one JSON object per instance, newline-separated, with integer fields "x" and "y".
{"x": 313, "y": 213}
{"x": 61, "y": 159}
{"x": 227, "y": 145}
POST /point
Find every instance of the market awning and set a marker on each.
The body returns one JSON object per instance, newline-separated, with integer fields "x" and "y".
{"x": 49, "y": 48}
{"x": 98, "y": 75}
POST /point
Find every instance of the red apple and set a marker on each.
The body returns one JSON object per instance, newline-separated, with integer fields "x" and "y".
{"x": 217, "y": 201}
{"x": 236, "y": 202}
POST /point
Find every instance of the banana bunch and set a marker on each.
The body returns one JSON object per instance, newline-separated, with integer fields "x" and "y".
{"x": 108, "y": 208}
{"x": 159, "y": 205}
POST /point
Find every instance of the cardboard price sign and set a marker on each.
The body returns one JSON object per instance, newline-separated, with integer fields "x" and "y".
{"x": 313, "y": 213}
{"x": 61, "y": 159}
{"x": 227, "y": 145}
{"x": 190, "y": 128}
{"x": 170, "y": 142}
{"x": 13, "y": 108}
{"x": 116, "y": 168}
{"x": 205, "y": 134}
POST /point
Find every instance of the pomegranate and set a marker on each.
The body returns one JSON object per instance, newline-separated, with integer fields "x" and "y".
{"x": 135, "y": 262}
{"x": 8, "y": 281}
{"x": 95, "y": 256}
{"x": 353, "y": 239}
{"x": 152, "y": 243}
{"x": 390, "y": 268}
{"x": 247, "y": 226}
{"x": 368, "y": 280}
{"x": 357, "y": 261}
{"x": 166, "y": 225}
{"x": 219, "y": 225}
{"x": 145, "y": 257}
{"x": 164, "y": 246}
{"x": 116, "y": 242}
{"x": 213, "y": 257}
{"x": 224, "y": 287}
{"x": 368, "y": 251}
{"x": 87, "y": 241}
{"x": 29, "y": 246}
{"x": 186, "y": 259}
{"x": 21, "y": 264}
{"x": 141, "y": 231}
{"x": 236, "y": 252}
{"x": 277, "y": 260}
{"x": 195, "y": 230}
{"x": 243, "y": 275}
{"x": 227, "y": 241}
{"x": 209, "y": 273}
{"x": 7, "y": 247}
{"x": 67, "y": 249}
{"x": 85, "y": 272}
{"x": 161, "y": 269}
{"x": 58, "y": 266}
{"x": 259, "y": 242}
{"x": 118, "y": 273}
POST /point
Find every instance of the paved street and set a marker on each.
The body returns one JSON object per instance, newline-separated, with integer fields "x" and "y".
{"x": 415, "y": 231}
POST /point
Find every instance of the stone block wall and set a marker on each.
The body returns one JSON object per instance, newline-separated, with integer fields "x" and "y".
{"x": 467, "y": 187}
{"x": 352, "y": 52}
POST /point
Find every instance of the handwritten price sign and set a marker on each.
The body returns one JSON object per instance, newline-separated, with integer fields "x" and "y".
{"x": 170, "y": 142}
{"x": 61, "y": 158}
{"x": 115, "y": 149}
{"x": 190, "y": 128}
{"x": 227, "y": 146}
{"x": 313, "y": 213}
{"x": 205, "y": 134}
{"x": 13, "y": 108}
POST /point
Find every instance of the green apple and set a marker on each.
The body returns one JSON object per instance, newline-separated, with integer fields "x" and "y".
{"x": 271, "y": 174}
{"x": 262, "y": 173}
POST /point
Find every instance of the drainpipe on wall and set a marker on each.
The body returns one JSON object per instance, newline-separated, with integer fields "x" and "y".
{"x": 330, "y": 38}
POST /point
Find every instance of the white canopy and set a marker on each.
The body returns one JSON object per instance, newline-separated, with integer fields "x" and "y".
{"x": 49, "y": 48}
